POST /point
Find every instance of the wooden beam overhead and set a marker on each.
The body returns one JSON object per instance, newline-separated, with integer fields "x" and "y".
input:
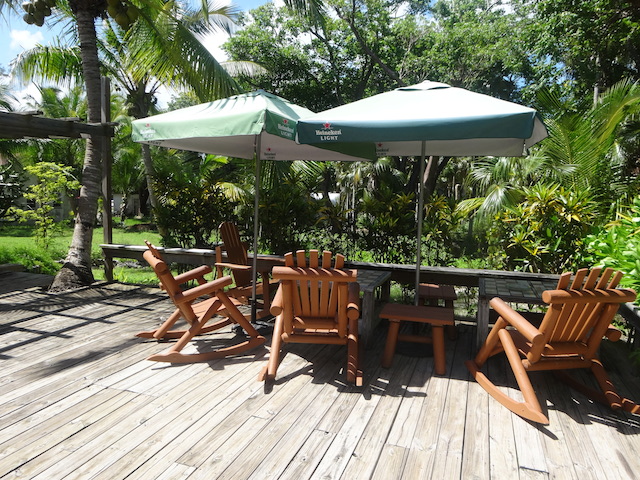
{"x": 17, "y": 125}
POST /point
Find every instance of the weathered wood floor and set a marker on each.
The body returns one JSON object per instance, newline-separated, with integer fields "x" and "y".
{"x": 78, "y": 400}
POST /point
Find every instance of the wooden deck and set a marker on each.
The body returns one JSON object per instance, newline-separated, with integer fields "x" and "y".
{"x": 78, "y": 400}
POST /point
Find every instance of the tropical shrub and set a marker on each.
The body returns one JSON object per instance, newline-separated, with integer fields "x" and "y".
{"x": 32, "y": 258}
{"x": 190, "y": 210}
{"x": 52, "y": 182}
{"x": 388, "y": 226}
{"x": 617, "y": 245}
{"x": 441, "y": 222}
{"x": 546, "y": 231}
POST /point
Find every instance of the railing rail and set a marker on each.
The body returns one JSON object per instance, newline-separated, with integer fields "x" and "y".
{"x": 467, "y": 277}
{"x": 464, "y": 277}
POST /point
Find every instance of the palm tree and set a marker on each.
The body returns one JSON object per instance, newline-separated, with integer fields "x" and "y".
{"x": 77, "y": 268}
{"x": 140, "y": 59}
{"x": 590, "y": 147}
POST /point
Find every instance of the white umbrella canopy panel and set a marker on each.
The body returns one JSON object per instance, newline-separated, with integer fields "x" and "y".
{"x": 256, "y": 125}
{"x": 429, "y": 118}
{"x": 447, "y": 121}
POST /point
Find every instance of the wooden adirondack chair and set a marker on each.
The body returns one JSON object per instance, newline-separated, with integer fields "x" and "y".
{"x": 240, "y": 267}
{"x": 577, "y": 319}
{"x": 196, "y": 312}
{"x": 315, "y": 304}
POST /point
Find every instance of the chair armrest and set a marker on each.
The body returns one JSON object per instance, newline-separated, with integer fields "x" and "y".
{"x": 233, "y": 266}
{"x": 276, "y": 303}
{"x": 613, "y": 334}
{"x": 353, "y": 307}
{"x": 204, "y": 289}
{"x": 516, "y": 320}
{"x": 199, "y": 272}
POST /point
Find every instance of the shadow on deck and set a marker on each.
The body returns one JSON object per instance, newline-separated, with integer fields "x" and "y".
{"x": 79, "y": 400}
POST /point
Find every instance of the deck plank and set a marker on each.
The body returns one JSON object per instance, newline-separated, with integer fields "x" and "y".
{"x": 78, "y": 399}
{"x": 461, "y": 412}
{"x": 502, "y": 446}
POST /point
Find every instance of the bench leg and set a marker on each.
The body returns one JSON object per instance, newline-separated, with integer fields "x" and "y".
{"x": 438, "y": 350}
{"x": 392, "y": 340}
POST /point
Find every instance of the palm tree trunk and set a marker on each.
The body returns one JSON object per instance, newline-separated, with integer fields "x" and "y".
{"x": 77, "y": 268}
{"x": 149, "y": 172}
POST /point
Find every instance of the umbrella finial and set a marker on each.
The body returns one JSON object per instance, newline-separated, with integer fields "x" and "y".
{"x": 426, "y": 85}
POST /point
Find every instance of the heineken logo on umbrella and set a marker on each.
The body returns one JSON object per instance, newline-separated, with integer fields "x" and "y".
{"x": 147, "y": 132}
{"x": 269, "y": 153}
{"x": 285, "y": 130}
{"x": 381, "y": 150}
{"x": 327, "y": 134}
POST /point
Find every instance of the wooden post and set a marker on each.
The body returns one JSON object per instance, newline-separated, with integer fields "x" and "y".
{"x": 107, "y": 217}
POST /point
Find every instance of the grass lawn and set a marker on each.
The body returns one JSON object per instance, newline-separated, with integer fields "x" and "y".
{"x": 18, "y": 245}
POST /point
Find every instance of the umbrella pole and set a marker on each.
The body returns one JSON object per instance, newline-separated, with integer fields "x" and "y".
{"x": 419, "y": 220}
{"x": 254, "y": 269}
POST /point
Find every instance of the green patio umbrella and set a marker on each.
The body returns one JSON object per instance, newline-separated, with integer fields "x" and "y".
{"x": 256, "y": 125}
{"x": 429, "y": 118}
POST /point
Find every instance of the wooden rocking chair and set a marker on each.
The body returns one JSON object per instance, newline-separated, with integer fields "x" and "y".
{"x": 239, "y": 265}
{"x": 196, "y": 313}
{"x": 578, "y": 317}
{"x": 315, "y": 304}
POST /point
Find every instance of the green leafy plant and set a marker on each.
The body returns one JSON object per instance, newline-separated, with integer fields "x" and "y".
{"x": 388, "y": 225}
{"x": 617, "y": 245}
{"x": 545, "y": 232}
{"x": 191, "y": 208}
{"x": 32, "y": 257}
{"x": 52, "y": 182}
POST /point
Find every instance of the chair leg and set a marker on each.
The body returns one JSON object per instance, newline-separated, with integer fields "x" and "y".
{"x": 174, "y": 355}
{"x": 392, "y": 340}
{"x": 491, "y": 344}
{"x": 268, "y": 372}
{"x": 530, "y": 408}
{"x": 236, "y": 315}
{"x": 607, "y": 396}
{"x": 162, "y": 331}
{"x": 179, "y": 345}
{"x": 437, "y": 332}
{"x": 354, "y": 374}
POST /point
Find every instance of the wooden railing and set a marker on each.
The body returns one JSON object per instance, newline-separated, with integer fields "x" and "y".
{"x": 465, "y": 277}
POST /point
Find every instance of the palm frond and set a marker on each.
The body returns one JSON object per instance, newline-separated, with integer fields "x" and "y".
{"x": 59, "y": 64}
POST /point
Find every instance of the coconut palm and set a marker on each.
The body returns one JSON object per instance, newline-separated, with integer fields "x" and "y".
{"x": 77, "y": 268}
{"x": 161, "y": 49}
{"x": 589, "y": 147}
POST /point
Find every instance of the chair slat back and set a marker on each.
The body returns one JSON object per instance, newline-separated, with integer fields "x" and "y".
{"x": 581, "y": 310}
{"x": 161, "y": 269}
{"x": 236, "y": 252}
{"x": 315, "y": 289}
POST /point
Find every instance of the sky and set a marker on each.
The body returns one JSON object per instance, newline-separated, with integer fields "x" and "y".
{"x": 18, "y": 36}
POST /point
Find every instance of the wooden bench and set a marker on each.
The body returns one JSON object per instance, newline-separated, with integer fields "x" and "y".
{"x": 437, "y": 317}
{"x": 433, "y": 294}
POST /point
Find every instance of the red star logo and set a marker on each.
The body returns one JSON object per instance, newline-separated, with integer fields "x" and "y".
{"x": 379, "y": 145}
{"x": 326, "y": 125}
{"x": 147, "y": 124}
{"x": 285, "y": 121}
{"x": 269, "y": 149}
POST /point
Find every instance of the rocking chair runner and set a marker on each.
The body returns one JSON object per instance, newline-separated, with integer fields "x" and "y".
{"x": 196, "y": 313}
{"x": 238, "y": 264}
{"x": 569, "y": 336}
{"x": 315, "y": 304}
